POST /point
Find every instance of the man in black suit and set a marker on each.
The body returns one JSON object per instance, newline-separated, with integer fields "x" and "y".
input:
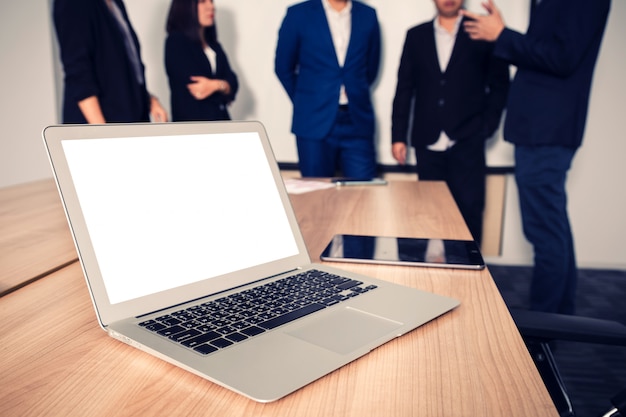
{"x": 104, "y": 75}
{"x": 457, "y": 90}
{"x": 546, "y": 114}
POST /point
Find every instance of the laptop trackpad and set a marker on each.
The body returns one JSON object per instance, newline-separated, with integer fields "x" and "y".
{"x": 346, "y": 330}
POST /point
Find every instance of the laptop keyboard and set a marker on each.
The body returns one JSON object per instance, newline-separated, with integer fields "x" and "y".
{"x": 217, "y": 324}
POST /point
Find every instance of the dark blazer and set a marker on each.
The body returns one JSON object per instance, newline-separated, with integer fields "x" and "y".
{"x": 96, "y": 63}
{"x": 465, "y": 101}
{"x": 184, "y": 58}
{"x": 555, "y": 61}
{"x": 306, "y": 65}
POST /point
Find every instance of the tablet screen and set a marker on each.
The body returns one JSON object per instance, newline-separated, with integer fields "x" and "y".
{"x": 404, "y": 251}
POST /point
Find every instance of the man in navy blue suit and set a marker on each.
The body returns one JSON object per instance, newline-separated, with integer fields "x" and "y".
{"x": 546, "y": 115}
{"x": 453, "y": 90}
{"x": 327, "y": 58}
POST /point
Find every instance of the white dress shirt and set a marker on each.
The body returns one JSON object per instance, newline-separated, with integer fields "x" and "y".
{"x": 444, "y": 42}
{"x": 212, "y": 57}
{"x": 340, "y": 23}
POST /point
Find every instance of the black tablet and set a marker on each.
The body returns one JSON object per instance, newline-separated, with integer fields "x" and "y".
{"x": 444, "y": 253}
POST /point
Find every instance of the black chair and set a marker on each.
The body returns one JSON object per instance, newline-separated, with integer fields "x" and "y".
{"x": 539, "y": 330}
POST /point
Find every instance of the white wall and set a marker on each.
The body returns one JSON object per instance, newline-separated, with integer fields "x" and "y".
{"x": 27, "y": 90}
{"x": 248, "y": 30}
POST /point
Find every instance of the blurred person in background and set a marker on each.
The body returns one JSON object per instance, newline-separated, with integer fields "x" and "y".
{"x": 454, "y": 91}
{"x": 327, "y": 59}
{"x": 546, "y": 115}
{"x": 104, "y": 76}
{"x": 202, "y": 83}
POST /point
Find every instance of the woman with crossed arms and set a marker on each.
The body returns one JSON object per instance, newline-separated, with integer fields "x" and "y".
{"x": 202, "y": 83}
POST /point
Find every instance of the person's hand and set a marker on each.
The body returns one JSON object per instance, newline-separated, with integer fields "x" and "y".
{"x": 157, "y": 112}
{"x": 484, "y": 27}
{"x": 202, "y": 87}
{"x": 398, "y": 150}
{"x": 90, "y": 107}
{"x": 199, "y": 87}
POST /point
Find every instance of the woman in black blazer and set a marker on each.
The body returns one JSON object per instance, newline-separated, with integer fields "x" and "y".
{"x": 104, "y": 75}
{"x": 202, "y": 83}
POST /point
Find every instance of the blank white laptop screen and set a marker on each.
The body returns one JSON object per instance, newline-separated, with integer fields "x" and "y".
{"x": 127, "y": 186}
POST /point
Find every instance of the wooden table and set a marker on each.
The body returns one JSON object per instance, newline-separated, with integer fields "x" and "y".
{"x": 471, "y": 362}
{"x": 34, "y": 237}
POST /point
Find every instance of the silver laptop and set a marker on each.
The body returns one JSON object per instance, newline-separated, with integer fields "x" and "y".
{"x": 192, "y": 253}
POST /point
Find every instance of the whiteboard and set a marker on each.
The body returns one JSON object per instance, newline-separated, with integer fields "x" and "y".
{"x": 248, "y": 31}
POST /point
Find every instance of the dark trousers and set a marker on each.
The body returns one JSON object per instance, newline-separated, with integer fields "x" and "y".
{"x": 342, "y": 150}
{"x": 541, "y": 173}
{"x": 462, "y": 167}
